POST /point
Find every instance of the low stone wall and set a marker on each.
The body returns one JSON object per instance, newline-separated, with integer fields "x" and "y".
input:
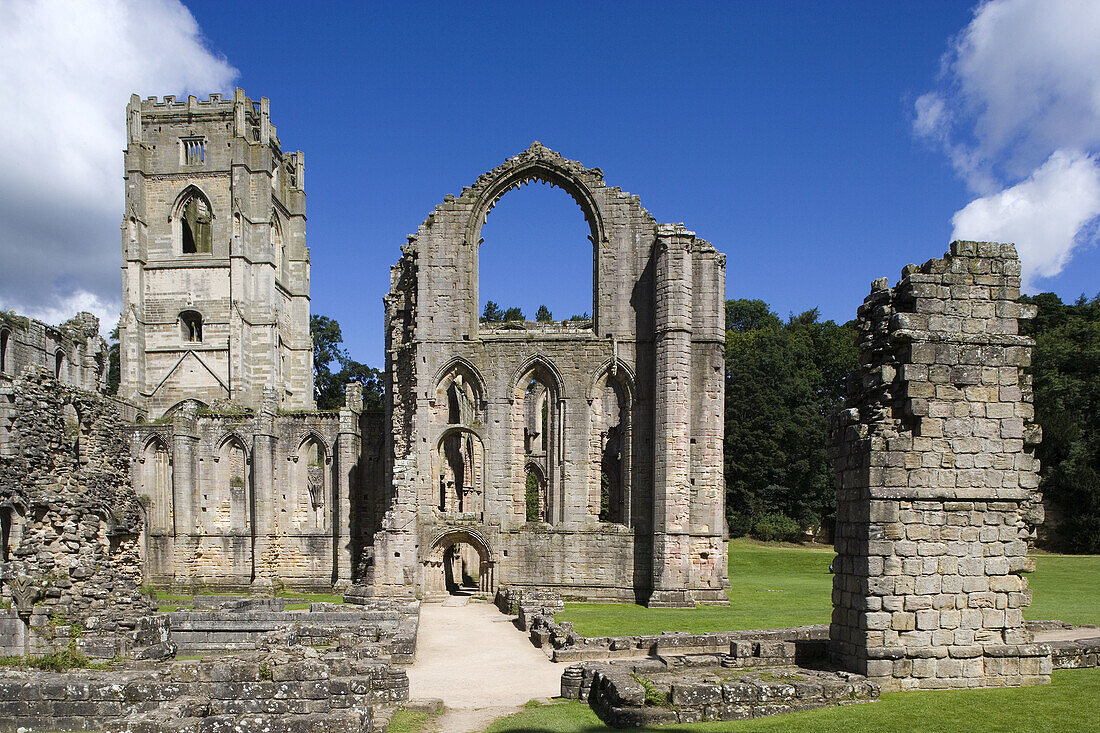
{"x": 801, "y": 644}
{"x": 627, "y": 699}
{"x": 388, "y": 629}
{"x": 291, "y": 689}
{"x": 147, "y": 637}
{"x": 1076, "y": 654}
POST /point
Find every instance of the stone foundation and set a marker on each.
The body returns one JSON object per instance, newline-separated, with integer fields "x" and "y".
{"x": 631, "y": 697}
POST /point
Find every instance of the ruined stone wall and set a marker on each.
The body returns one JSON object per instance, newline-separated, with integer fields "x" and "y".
{"x": 72, "y": 524}
{"x": 73, "y": 352}
{"x": 668, "y": 547}
{"x": 249, "y": 499}
{"x": 937, "y": 483}
{"x": 214, "y": 225}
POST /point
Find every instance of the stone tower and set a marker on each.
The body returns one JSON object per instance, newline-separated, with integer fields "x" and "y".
{"x": 215, "y": 277}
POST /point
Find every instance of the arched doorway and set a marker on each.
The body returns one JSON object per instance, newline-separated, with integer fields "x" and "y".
{"x": 459, "y": 563}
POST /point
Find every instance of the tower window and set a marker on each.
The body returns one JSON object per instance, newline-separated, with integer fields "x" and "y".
{"x": 195, "y": 234}
{"x": 192, "y": 150}
{"x": 3, "y": 352}
{"x": 191, "y": 327}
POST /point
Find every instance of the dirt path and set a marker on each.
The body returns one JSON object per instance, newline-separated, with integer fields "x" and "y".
{"x": 479, "y": 664}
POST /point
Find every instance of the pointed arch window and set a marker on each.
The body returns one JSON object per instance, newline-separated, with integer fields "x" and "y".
{"x": 278, "y": 249}
{"x": 5, "y": 338}
{"x": 193, "y": 225}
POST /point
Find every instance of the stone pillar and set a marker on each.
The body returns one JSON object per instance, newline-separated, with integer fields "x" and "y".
{"x": 185, "y": 441}
{"x": 265, "y": 540}
{"x": 672, "y": 419}
{"x": 936, "y": 481}
{"x": 348, "y": 450}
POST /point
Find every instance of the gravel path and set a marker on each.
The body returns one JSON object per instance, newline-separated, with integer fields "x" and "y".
{"x": 479, "y": 664}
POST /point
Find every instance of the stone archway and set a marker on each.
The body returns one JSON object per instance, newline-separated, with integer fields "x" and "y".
{"x": 449, "y": 566}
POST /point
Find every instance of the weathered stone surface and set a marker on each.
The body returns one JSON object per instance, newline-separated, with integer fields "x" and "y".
{"x": 936, "y": 487}
{"x": 635, "y": 395}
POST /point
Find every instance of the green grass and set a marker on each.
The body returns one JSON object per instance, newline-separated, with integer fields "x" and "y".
{"x": 1066, "y": 588}
{"x": 407, "y": 721}
{"x": 1066, "y": 706}
{"x": 771, "y": 586}
{"x": 776, "y": 585}
{"x": 59, "y": 661}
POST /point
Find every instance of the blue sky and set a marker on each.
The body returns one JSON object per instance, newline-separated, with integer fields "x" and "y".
{"x": 782, "y": 132}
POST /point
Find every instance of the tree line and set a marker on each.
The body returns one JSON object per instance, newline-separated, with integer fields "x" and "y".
{"x": 784, "y": 379}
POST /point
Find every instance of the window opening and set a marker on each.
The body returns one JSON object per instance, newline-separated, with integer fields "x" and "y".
{"x": 312, "y": 485}
{"x": 536, "y": 259}
{"x": 191, "y": 327}
{"x": 59, "y": 370}
{"x": 193, "y": 150}
{"x": 3, "y": 352}
{"x": 195, "y": 227}
{"x": 460, "y": 472}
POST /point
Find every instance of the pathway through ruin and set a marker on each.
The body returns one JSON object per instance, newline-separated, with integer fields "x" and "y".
{"x": 479, "y": 664}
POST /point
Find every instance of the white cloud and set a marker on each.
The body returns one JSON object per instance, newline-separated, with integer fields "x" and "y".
{"x": 62, "y": 309}
{"x": 1019, "y": 90}
{"x": 67, "y": 69}
{"x": 1044, "y": 214}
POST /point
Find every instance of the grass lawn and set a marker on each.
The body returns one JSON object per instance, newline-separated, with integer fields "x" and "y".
{"x": 776, "y": 585}
{"x": 771, "y": 586}
{"x": 1066, "y": 588}
{"x": 1065, "y": 706}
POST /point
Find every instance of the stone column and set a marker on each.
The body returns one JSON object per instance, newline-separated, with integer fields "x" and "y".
{"x": 185, "y": 441}
{"x": 937, "y": 482}
{"x": 348, "y": 450}
{"x": 265, "y": 542}
{"x": 672, "y": 418}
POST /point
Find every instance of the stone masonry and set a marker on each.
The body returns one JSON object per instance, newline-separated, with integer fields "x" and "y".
{"x": 937, "y": 483}
{"x": 70, "y": 550}
{"x": 243, "y": 499}
{"x": 623, "y": 411}
{"x": 216, "y": 268}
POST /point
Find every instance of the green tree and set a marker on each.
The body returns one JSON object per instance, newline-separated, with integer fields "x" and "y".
{"x": 512, "y": 314}
{"x": 328, "y": 351}
{"x": 783, "y": 380}
{"x": 114, "y": 362}
{"x": 531, "y": 497}
{"x": 1066, "y": 380}
{"x": 492, "y": 313}
{"x": 543, "y": 314}
{"x": 750, "y": 315}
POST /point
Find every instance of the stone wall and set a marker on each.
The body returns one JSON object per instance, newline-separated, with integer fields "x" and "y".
{"x": 73, "y": 352}
{"x": 301, "y": 690}
{"x": 72, "y": 524}
{"x": 936, "y": 498}
{"x": 253, "y": 499}
{"x": 465, "y": 405}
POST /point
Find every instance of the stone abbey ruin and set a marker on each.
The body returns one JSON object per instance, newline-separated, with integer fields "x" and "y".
{"x": 212, "y": 469}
